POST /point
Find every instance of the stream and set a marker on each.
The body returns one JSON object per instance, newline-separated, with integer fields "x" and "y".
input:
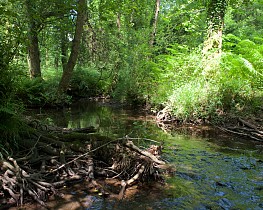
{"x": 213, "y": 171}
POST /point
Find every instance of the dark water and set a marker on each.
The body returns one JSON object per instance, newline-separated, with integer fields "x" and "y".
{"x": 212, "y": 172}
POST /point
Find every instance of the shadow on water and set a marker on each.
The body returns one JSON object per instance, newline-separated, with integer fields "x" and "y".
{"x": 212, "y": 172}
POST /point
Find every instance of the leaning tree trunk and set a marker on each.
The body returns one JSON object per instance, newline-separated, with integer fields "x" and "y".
{"x": 157, "y": 9}
{"x": 68, "y": 71}
{"x": 33, "y": 47}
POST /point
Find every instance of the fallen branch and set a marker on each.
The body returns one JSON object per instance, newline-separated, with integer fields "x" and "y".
{"x": 240, "y": 134}
{"x": 250, "y": 125}
{"x": 130, "y": 145}
{"x": 124, "y": 184}
{"x": 50, "y": 163}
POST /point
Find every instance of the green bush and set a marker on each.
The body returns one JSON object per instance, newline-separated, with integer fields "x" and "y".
{"x": 89, "y": 82}
{"x": 11, "y": 126}
{"x": 193, "y": 100}
{"x": 39, "y": 92}
{"x": 251, "y": 52}
{"x": 174, "y": 71}
{"x": 136, "y": 72}
{"x": 234, "y": 86}
{"x": 230, "y": 41}
{"x": 30, "y": 91}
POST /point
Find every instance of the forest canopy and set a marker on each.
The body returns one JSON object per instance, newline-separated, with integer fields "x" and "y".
{"x": 196, "y": 59}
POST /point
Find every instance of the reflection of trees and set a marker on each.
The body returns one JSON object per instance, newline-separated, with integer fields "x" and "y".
{"x": 110, "y": 121}
{"x": 50, "y": 116}
{"x": 87, "y": 114}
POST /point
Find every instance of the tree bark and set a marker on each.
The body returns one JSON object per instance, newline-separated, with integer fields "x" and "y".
{"x": 68, "y": 71}
{"x": 64, "y": 49}
{"x": 33, "y": 47}
{"x": 155, "y": 19}
{"x": 215, "y": 18}
{"x": 118, "y": 21}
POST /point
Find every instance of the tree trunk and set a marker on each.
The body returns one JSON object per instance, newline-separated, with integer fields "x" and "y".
{"x": 64, "y": 50}
{"x": 46, "y": 61}
{"x": 68, "y": 71}
{"x": 33, "y": 52}
{"x": 33, "y": 47}
{"x": 118, "y": 21}
{"x": 213, "y": 44}
{"x": 56, "y": 62}
{"x": 215, "y": 18}
{"x": 157, "y": 9}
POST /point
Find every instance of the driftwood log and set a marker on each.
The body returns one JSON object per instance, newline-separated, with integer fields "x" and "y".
{"x": 55, "y": 157}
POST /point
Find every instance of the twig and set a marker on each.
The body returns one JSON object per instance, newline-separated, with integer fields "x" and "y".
{"x": 31, "y": 150}
{"x": 241, "y": 134}
{"x": 130, "y": 138}
{"x": 80, "y": 156}
{"x": 130, "y": 145}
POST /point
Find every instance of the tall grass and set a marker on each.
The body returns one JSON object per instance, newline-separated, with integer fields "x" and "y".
{"x": 234, "y": 86}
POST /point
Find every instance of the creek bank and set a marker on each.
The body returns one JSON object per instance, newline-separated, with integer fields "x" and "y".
{"x": 52, "y": 157}
{"x": 202, "y": 164}
{"x": 249, "y": 127}
{"x": 245, "y": 126}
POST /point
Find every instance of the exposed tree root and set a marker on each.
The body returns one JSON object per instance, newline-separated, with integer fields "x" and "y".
{"x": 52, "y": 162}
{"x": 251, "y": 128}
{"x": 17, "y": 182}
{"x": 245, "y": 129}
{"x": 164, "y": 115}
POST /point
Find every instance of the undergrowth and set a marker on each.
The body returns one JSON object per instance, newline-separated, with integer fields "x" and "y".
{"x": 235, "y": 86}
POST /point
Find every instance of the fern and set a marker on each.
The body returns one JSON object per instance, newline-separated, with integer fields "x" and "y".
{"x": 11, "y": 125}
{"x": 250, "y": 51}
{"x": 250, "y": 67}
{"x": 236, "y": 83}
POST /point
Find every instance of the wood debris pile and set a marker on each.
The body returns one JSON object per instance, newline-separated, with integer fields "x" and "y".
{"x": 52, "y": 160}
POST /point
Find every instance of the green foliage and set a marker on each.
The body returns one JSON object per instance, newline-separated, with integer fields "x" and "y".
{"x": 30, "y": 91}
{"x": 11, "y": 35}
{"x": 136, "y": 74}
{"x": 180, "y": 22}
{"x": 245, "y": 61}
{"x": 235, "y": 86}
{"x": 250, "y": 51}
{"x": 244, "y": 19}
{"x": 174, "y": 70}
{"x": 89, "y": 82}
{"x": 230, "y": 41}
{"x": 192, "y": 100}
{"x": 39, "y": 92}
{"x": 117, "y": 59}
{"x": 11, "y": 126}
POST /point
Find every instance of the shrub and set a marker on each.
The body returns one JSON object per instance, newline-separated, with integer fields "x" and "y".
{"x": 233, "y": 86}
{"x": 89, "y": 82}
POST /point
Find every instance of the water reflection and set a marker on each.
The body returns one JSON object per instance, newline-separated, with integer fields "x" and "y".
{"x": 213, "y": 172}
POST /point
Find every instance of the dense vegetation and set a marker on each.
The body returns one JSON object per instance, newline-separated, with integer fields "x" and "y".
{"x": 196, "y": 59}
{"x": 187, "y": 61}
